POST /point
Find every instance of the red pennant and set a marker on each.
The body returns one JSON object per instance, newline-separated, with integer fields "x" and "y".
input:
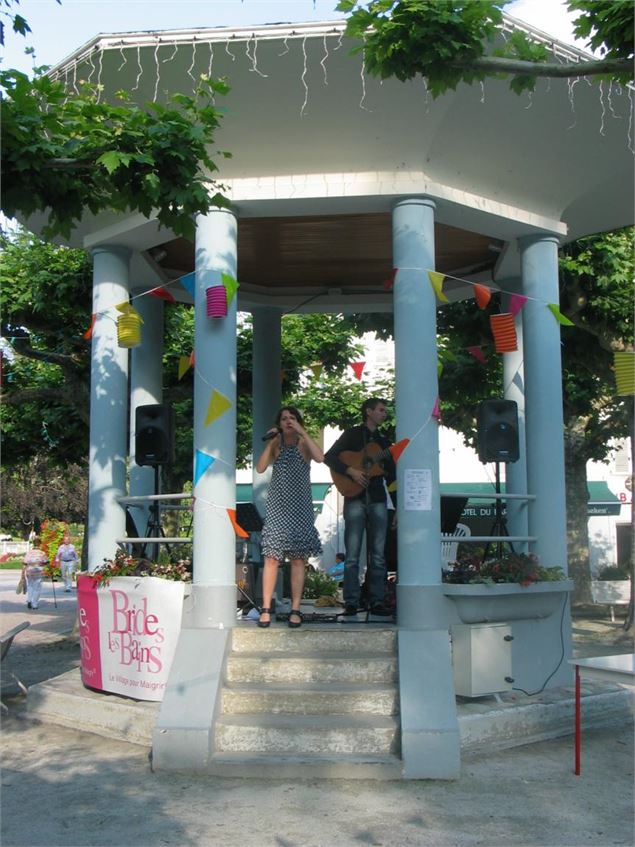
{"x": 483, "y": 295}
{"x": 89, "y": 332}
{"x": 390, "y": 282}
{"x": 192, "y": 358}
{"x": 397, "y": 449}
{"x": 504, "y": 332}
{"x": 358, "y": 367}
{"x": 477, "y": 353}
{"x": 162, "y": 294}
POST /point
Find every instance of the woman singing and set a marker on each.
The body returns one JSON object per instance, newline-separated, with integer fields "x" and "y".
{"x": 288, "y": 529}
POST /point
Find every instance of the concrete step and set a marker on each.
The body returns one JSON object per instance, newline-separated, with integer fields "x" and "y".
{"x": 307, "y": 735}
{"x": 316, "y": 766}
{"x": 316, "y": 638}
{"x": 312, "y": 667}
{"x": 310, "y": 698}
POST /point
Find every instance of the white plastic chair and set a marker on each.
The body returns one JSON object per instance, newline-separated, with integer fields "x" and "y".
{"x": 450, "y": 544}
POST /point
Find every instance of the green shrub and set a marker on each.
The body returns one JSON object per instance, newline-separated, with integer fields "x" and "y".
{"x": 610, "y": 572}
{"x": 319, "y": 584}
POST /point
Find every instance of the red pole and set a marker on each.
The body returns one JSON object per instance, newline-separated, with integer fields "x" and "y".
{"x": 577, "y": 721}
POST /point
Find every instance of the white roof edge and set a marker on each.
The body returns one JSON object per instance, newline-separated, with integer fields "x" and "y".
{"x": 150, "y": 38}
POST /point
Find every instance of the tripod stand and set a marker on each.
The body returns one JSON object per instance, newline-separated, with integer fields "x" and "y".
{"x": 499, "y": 527}
{"x": 154, "y": 528}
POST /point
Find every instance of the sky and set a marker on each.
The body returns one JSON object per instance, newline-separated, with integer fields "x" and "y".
{"x": 58, "y": 30}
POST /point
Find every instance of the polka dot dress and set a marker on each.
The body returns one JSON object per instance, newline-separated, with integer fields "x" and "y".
{"x": 289, "y": 530}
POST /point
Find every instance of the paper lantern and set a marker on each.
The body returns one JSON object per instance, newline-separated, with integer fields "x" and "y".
{"x": 504, "y": 332}
{"x": 624, "y": 364}
{"x": 129, "y": 330}
{"x": 216, "y": 301}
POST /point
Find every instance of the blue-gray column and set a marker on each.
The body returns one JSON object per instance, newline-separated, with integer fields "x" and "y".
{"x": 514, "y": 389}
{"x": 146, "y": 388}
{"x": 416, "y": 392}
{"x": 266, "y": 390}
{"x": 108, "y": 407}
{"x": 543, "y": 400}
{"x": 214, "y": 547}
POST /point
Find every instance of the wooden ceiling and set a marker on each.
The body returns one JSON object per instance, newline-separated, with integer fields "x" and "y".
{"x": 352, "y": 252}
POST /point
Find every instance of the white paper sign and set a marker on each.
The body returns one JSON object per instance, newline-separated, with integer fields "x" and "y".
{"x": 418, "y": 490}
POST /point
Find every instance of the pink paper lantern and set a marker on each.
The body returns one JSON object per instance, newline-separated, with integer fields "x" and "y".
{"x": 216, "y": 301}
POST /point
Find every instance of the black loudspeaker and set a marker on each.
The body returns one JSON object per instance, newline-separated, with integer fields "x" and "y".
{"x": 498, "y": 431}
{"x": 154, "y": 435}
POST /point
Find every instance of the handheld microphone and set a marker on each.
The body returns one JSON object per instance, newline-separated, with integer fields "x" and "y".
{"x": 269, "y": 435}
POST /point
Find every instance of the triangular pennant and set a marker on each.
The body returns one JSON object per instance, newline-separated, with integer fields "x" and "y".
{"x": 192, "y": 360}
{"x": 483, "y": 295}
{"x": 439, "y": 368}
{"x": 89, "y": 332}
{"x": 218, "y": 405}
{"x": 357, "y": 367}
{"x": 202, "y": 461}
{"x": 392, "y": 487}
{"x": 390, "y": 282}
{"x": 436, "y": 412}
{"x": 624, "y": 365}
{"x": 240, "y": 532}
{"x": 231, "y": 286}
{"x": 504, "y": 332}
{"x": 184, "y": 365}
{"x": 162, "y": 294}
{"x": 397, "y": 449}
{"x": 437, "y": 284}
{"x": 189, "y": 283}
{"x": 478, "y": 354}
{"x": 317, "y": 369}
{"x": 555, "y": 311}
{"x": 516, "y": 302}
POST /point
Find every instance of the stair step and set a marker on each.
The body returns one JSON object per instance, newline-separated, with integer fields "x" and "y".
{"x": 313, "y": 667}
{"x": 311, "y": 698}
{"x": 317, "y": 638}
{"x": 307, "y": 734}
{"x": 315, "y": 766}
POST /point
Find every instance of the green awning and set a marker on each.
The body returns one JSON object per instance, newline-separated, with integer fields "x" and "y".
{"x": 602, "y": 501}
{"x": 318, "y": 491}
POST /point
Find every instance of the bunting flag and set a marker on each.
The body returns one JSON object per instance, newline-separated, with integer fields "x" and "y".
{"x": 439, "y": 369}
{"x": 89, "y": 332}
{"x": 189, "y": 283}
{"x": 202, "y": 461}
{"x": 392, "y": 487}
{"x": 555, "y": 311}
{"x": 389, "y": 283}
{"x": 358, "y": 368}
{"x": 482, "y": 294}
{"x": 516, "y": 302}
{"x": 192, "y": 358}
{"x": 624, "y": 364}
{"x": 231, "y": 286}
{"x": 240, "y": 532}
{"x": 218, "y": 405}
{"x": 504, "y": 332}
{"x": 317, "y": 369}
{"x": 477, "y": 353}
{"x": 437, "y": 284}
{"x": 397, "y": 449}
{"x": 436, "y": 412}
{"x": 184, "y": 365}
{"x": 162, "y": 294}
{"x": 283, "y": 375}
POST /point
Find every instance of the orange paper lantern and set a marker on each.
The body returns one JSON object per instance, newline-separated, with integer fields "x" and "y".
{"x": 504, "y": 332}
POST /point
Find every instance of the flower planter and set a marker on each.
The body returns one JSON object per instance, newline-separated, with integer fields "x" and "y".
{"x": 481, "y": 603}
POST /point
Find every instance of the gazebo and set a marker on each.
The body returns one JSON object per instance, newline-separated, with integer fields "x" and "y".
{"x": 336, "y": 179}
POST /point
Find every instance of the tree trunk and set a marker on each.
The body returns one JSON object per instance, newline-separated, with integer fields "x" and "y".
{"x": 577, "y": 517}
{"x": 628, "y": 623}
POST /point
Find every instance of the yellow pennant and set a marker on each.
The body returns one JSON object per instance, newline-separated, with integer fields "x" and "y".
{"x": 185, "y": 363}
{"x": 624, "y": 364}
{"x": 437, "y": 283}
{"x": 562, "y": 319}
{"x": 317, "y": 369}
{"x": 218, "y": 405}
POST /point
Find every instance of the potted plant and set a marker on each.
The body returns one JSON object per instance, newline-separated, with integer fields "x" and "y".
{"x": 513, "y": 586}
{"x": 612, "y": 587}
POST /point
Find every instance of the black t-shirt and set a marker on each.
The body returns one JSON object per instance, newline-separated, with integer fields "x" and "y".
{"x": 355, "y": 439}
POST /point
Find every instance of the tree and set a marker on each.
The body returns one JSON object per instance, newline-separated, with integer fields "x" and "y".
{"x": 448, "y": 42}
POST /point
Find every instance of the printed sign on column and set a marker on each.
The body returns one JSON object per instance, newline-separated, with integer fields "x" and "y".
{"x": 128, "y": 633}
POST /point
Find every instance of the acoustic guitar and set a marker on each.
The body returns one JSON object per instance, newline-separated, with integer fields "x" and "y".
{"x": 366, "y": 460}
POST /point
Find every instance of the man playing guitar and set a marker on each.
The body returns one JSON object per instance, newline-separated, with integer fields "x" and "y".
{"x": 359, "y": 460}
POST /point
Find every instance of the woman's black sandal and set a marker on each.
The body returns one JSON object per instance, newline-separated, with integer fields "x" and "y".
{"x": 265, "y": 624}
{"x": 298, "y": 614}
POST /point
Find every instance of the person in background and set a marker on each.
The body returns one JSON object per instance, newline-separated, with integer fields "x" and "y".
{"x": 336, "y": 571}
{"x": 365, "y": 511}
{"x": 33, "y": 570}
{"x": 289, "y": 529}
{"x": 67, "y": 560}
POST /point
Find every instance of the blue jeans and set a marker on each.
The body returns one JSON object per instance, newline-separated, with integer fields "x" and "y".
{"x": 357, "y": 514}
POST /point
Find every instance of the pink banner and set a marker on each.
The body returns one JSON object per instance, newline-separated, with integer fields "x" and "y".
{"x": 88, "y": 615}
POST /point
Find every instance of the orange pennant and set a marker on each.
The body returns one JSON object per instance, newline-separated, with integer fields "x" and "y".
{"x": 397, "y": 449}
{"x": 162, "y": 294}
{"x": 240, "y": 532}
{"x": 483, "y": 295}
{"x": 89, "y": 332}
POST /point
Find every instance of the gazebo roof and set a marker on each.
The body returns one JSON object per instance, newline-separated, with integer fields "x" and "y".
{"x": 320, "y": 152}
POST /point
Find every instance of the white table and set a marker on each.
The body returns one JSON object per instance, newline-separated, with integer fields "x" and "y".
{"x": 620, "y": 668}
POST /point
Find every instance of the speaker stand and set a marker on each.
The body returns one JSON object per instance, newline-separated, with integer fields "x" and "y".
{"x": 499, "y": 527}
{"x": 154, "y": 528}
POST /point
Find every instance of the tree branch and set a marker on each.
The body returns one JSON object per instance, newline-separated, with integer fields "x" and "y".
{"x": 498, "y": 64}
